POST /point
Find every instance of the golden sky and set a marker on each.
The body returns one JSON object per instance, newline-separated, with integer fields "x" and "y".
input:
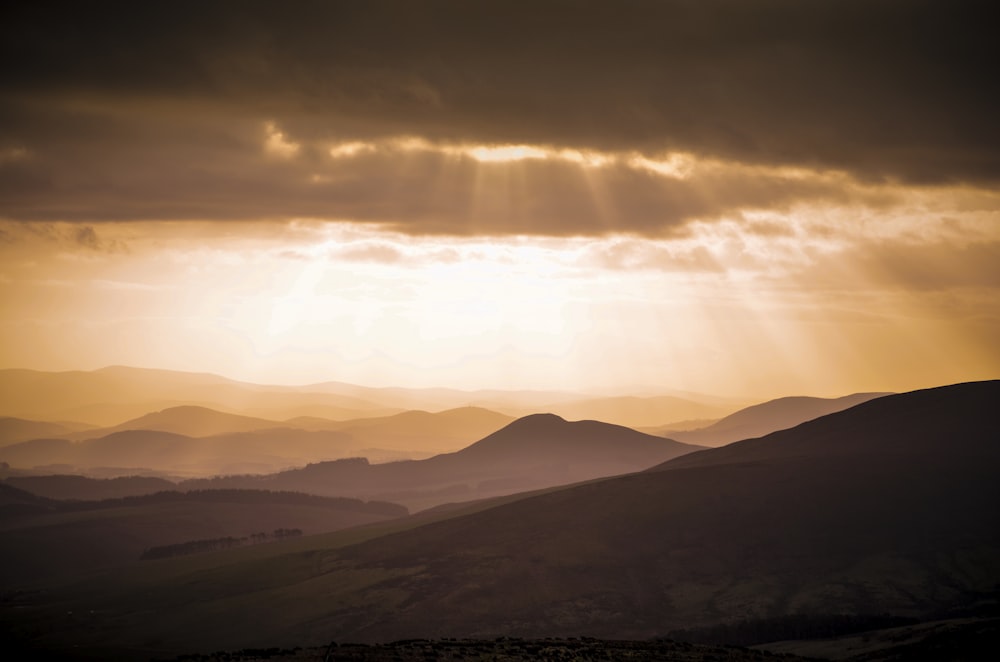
{"x": 744, "y": 198}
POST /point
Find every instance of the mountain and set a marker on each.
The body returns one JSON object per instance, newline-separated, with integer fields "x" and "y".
{"x": 414, "y": 430}
{"x": 194, "y": 421}
{"x": 82, "y": 488}
{"x": 638, "y": 411}
{"x": 533, "y": 452}
{"x": 764, "y": 418}
{"x": 201, "y": 441}
{"x": 110, "y": 395}
{"x": 242, "y": 452}
{"x": 887, "y": 507}
{"x": 14, "y": 430}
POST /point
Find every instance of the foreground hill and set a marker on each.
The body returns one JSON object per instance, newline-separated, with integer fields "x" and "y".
{"x": 44, "y": 538}
{"x": 767, "y": 417}
{"x": 533, "y": 452}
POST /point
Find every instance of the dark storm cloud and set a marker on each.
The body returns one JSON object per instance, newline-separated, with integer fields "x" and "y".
{"x": 147, "y": 110}
{"x": 422, "y": 190}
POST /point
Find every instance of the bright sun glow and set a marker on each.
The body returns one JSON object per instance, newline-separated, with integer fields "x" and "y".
{"x": 501, "y": 153}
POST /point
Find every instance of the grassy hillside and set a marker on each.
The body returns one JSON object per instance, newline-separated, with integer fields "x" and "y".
{"x": 54, "y": 539}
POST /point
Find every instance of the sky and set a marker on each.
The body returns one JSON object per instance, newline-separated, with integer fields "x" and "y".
{"x": 753, "y": 198}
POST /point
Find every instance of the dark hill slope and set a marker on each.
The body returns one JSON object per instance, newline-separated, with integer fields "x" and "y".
{"x": 533, "y": 452}
{"x": 768, "y": 417}
{"x": 890, "y": 507}
{"x": 41, "y": 538}
{"x": 90, "y": 489}
{"x": 940, "y": 421}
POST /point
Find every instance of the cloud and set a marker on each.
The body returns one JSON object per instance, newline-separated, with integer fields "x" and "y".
{"x": 215, "y": 169}
{"x": 87, "y": 237}
{"x": 551, "y": 117}
{"x": 883, "y": 88}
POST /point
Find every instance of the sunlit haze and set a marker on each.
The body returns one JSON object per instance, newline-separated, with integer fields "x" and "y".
{"x": 419, "y": 215}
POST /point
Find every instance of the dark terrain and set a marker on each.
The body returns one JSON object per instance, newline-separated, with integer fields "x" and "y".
{"x": 888, "y": 508}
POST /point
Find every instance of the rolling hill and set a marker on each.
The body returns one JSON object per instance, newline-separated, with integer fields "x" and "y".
{"x": 14, "y": 430}
{"x": 198, "y": 441}
{"x": 111, "y": 395}
{"x": 533, "y": 452}
{"x": 243, "y": 452}
{"x": 48, "y": 539}
{"x": 414, "y": 430}
{"x": 636, "y": 412}
{"x": 191, "y": 421}
{"x": 767, "y": 417}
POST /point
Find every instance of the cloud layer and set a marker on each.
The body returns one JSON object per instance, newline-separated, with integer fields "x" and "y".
{"x": 125, "y": 111}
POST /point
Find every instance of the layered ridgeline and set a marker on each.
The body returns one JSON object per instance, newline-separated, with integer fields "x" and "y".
{"x": 537, "y": 451}
{"x": 766, "y": 417}
{"x": 888, "y": 508}
{"x": 111, "y": 395}
{"x": 187, "y": 441}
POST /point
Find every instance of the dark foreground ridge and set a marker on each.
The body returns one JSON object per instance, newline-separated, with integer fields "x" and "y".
{"x": 504, "y": 649}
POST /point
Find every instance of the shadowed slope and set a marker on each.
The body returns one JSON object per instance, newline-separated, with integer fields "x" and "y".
{"x": 887, "y": 507}
{"x": 45, "y": 539}
{"x": 767, "y": 417}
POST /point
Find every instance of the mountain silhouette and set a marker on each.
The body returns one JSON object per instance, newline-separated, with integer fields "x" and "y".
{"x": 530, "y": 453}
{"x": 638, "y": 411}
{"x": 767, "y": 417}
{"x": 414, "y": 430}
{"x": 888, "y": 507}
{"x": 194, "y": 421}
{"x": 258, "y": 451}
{"x": 14, "y": 430}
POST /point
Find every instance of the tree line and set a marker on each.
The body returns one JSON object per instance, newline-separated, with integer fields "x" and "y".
{"x": 216, "y": 544}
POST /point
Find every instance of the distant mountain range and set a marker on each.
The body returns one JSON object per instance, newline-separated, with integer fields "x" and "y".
{"x": 197, "y": 441}
{"x": 108, "y": 396}
{"x": 533, "y": 452}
